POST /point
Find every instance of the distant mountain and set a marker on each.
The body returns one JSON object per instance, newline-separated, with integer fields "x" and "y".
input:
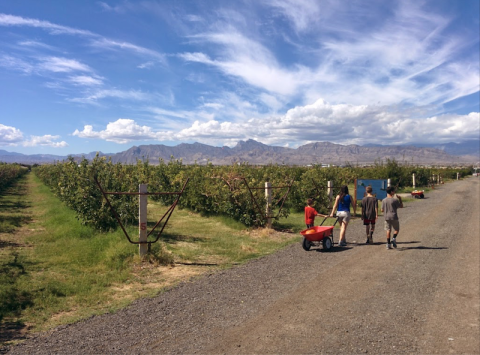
{"x": 12, "y": 157}
{"x": 255, "y": 152}
{"x": 471, "y": 147}
{"x": 467, "y": 148}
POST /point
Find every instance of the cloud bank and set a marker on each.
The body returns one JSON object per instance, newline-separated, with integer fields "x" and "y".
{"x": 321, "y": 121}
{"x": 11, "y": 136}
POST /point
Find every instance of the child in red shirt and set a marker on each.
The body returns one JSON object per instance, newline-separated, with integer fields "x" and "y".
{"x": 310, "y": 213}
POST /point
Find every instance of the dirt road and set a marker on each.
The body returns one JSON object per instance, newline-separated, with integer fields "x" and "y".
{"x": 422, "y": 297}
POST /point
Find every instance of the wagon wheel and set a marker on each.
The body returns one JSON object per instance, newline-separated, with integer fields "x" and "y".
{"x": 327, "y": 244}
{"x": 306, "y": 244}
{"x": 422, "y": 196}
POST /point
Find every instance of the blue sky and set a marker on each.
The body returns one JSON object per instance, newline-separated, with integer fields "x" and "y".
{"x": 85, "y": 76}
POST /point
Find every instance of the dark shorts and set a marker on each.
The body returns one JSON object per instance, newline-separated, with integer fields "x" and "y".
{"x": 366, "y": 222}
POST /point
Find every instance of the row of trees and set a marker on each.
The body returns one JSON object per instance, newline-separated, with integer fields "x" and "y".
{"x": 10, "y": 173}
{"x": 236, "y": 191}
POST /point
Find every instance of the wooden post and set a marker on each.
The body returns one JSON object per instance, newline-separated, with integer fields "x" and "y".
{"x": 389, "y": 182}
{"x": 142, "y": 220}
{"x": 413, "y": 177}
{"x": 458, "y": 175}
{"x": 355, "y": 198}
{"x": 268, "y": 198}
{"x": 330, "y": 193}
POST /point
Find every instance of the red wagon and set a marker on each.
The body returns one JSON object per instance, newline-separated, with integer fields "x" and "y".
{"x": 417, "y": 193}
{"x": 318, "y": 235}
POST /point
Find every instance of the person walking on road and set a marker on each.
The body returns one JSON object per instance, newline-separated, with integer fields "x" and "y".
{"x": 369, "y": 206}
{"x": 390, "y": 204}
{"x": 342, "y": 205}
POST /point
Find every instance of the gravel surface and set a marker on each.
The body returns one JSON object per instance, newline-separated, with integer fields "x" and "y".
{"x": 422, "y": 297}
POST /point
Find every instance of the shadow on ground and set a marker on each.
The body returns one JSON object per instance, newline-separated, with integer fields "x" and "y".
{"x": 12, "y": 300}
{"x": 13, "y": 215}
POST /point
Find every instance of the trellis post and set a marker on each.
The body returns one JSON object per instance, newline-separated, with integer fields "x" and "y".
{"x": 268, "y": 198}
{"x": 330, "y": 192}
{"x": 413, "y": 178}
{"x": 142, "y": 220}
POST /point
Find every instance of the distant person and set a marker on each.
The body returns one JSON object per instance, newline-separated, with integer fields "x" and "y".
{"x": 390, "y": 204}
{"x": 310, "y": 214}
{"x": 369, "y": 206}
{"x": 343, "y": 201}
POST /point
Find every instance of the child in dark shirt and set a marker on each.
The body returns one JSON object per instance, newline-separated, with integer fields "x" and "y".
{"x": 369, "y": 213}
{"x": 390, "y": 204}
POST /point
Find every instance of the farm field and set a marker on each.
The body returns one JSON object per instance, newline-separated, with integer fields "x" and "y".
{"x": 56, "y": 270}
{"x": 358, "y": 292}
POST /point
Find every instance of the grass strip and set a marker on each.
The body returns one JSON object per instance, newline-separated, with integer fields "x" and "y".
{"x": 54, "y": 270}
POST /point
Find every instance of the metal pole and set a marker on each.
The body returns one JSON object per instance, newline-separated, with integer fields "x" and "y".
{"x": 142, "y": 220}
{"x": 268, "y": 198}
{"x": 389, "y": 182}
{"x": 413, "y": 177}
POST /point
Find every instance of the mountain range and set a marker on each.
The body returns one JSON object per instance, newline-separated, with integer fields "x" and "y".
{"x": 255, "y": 152}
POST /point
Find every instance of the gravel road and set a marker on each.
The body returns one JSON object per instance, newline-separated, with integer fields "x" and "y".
{"x": 422, "y": 297}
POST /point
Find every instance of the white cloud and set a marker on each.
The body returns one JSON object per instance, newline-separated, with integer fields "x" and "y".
{"x": 146, "y": 65}
{"x": 177, "y": 119}
{"x": 345, "y": 124}
{"x": 84, "y": 80}
{"x": 321, "y": 121}
{"x": 10, "y": 135}
{"x": 62, "y": 65}
{"x": 37, "y": 45}
{"x": 45, "y": 141}
{"x": 249, "y": 60}
{"x": 301, "y": 13}
{"x": 16, "y": 64}
{"x": 215, "y": 130}
{"x": 105, "y": 43}
{"x": 109, "y": 8}
{"x": 401, "y": 55}
{"x": 122, "y": 131}
{"x": 42, "y": 65}
{"x": 11, "y": 20}
{"x": 215, "y": 106}
{"x": 96, "y": 40}
{"x": 93, "y": 98}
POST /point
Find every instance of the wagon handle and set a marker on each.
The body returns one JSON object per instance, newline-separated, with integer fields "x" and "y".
{"x": 327, "y": 216}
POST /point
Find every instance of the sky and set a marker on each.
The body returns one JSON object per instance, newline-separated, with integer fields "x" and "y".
{"x": 85, "y": 76}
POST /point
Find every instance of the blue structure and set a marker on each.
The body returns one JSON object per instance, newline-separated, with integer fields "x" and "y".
{"x": 379, "y": 188}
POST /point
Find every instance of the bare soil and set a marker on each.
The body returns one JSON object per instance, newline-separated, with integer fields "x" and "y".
{"x": 422, "y": 297}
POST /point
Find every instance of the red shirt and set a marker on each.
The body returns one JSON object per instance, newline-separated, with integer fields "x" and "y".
{"x": 310, "y": 214}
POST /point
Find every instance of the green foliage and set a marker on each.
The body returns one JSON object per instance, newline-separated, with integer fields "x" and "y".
{"x": 236, "y": 191}
{"x": 9, "y": 173}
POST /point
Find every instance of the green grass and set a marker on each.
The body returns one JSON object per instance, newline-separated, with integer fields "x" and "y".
{"x": 54, "y": 270}
{"x": 212, "y": 240}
